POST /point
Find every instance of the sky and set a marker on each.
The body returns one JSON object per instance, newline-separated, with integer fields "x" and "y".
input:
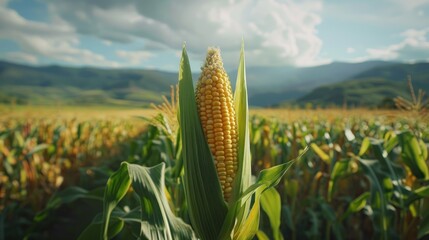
{"x": 150, "y": 33}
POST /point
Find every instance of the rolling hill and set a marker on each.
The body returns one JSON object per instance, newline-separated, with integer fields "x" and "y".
{"x": 66, "y": 85}
{"x": 372, "y": 87}
{"x": 58, "y": 85}
{"x": 269, "y": 86}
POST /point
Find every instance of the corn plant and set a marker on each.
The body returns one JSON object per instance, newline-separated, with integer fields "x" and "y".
{"x": 215, "y": 147}
{"x": 40, "y": 156}
{"x": 417, "y": 105}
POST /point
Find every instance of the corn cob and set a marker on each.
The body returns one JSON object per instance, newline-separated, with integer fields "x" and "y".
{"x": 216, "y": 111}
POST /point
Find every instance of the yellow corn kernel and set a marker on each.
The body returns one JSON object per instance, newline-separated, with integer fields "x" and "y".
{"x": 217, "y": 115}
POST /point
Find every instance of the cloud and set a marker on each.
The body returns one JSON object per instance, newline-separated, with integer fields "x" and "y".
{"x": 384, "y": 13}
{"x": 413, "y": 47}
{"x": 107, "y": 42}
{"x": 275, "y": 32}
{"x": 134, "y": 57}
{"x": 56, "y": 40}
{"x": 350, "y": 50}
{"x": 22, "y": 57}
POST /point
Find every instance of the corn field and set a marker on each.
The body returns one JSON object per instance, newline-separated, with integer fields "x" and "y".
{"x": 348, "y": 177}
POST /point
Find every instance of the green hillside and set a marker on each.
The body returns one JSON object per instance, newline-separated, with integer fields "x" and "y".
{"x": 369, "y": 84}
{"x": 373, "y": 87}
{"x": 273, "y": 85}
{"x": 55, "y": 85}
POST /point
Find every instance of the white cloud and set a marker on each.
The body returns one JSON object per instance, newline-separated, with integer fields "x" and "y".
{"x": 107, "y": 42}
{"x": 398, "y": 14}
{"x": 134, "y": 57}
{"x": 413, "y": 47}
{"x": 275, "y": 32}
{"x": 56, "y": 40}
{"x": 22, "y": 57}
{"x": 350, "y": 50}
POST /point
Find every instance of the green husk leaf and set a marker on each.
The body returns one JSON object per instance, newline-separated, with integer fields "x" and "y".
{"x": 207, "y": 208}
{"x": 243, "y": 179}
{"x": 242, "y": 110}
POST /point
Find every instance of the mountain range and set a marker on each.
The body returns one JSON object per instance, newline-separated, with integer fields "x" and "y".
{"x": 359, "y": 84}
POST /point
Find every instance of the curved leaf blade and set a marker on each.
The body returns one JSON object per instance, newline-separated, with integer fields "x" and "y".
{"x": 159, "y": 221}
{"x": 116, "y": 188}
{"x": 243, "y": 178}
{"x": 271, "y": 204}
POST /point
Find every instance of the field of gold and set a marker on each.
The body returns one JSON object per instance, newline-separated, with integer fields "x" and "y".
{"x": 52, "y": 156}
{"x": 133, "y": 114}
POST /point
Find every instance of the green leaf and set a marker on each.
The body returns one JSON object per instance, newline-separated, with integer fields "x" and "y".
{"x": 38, "y": 148}
{"x": 261, "y": 235}
{"x": 356, "y": 205}
{"x": 424, "y": 149}
{"x": 241, "y": 107}
{"x": 340, "y": 169}
{"x": 320, "y": 153}
{"x": 68, "y": 195}
{"x": 371, "y": 169}
{"x": 287, "y": 217}
{"x": 365, "y": 146}
{"x": 94, "y": 230}
{"x": 422, "y": 192}
{"x": 207, "y": 208}
{"x": 313, "y": 230}
{"x": 250, "y": 225}
{"x": 116, "y": 188}
{"x": 329, "y": 214}
{"x": 396, "y": 175}
{"x": 268, "y": 178}
{"x": 390, "y": 141}
{"x": 243, "y": 178}
{"x": 424, "y": 227}
{"x": 413, "y": 155}
{"x": 159, "y": 221}
{"x": 271, "y": 204}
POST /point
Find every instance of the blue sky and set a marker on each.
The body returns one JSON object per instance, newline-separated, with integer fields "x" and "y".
{"x": 150, "y": 33}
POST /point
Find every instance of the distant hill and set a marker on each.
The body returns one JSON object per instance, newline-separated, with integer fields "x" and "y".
{"x": 371, "y": 87}
{"x": 270, "y": 86}
{"x": 66, "y": 85}
{"x": 56, "y": 85}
